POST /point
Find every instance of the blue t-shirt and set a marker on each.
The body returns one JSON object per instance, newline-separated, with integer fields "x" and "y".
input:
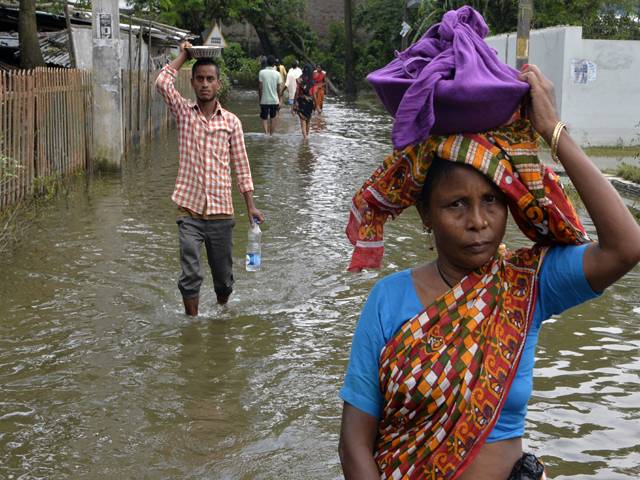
{"x": 393, "y": 300}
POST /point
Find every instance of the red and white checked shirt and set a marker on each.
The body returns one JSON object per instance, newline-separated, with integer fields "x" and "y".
{"x": 207, "y": 149}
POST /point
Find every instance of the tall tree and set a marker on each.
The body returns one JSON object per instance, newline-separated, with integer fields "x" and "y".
{"x": 30, "y": 54}
{"x": 349, "y": 66}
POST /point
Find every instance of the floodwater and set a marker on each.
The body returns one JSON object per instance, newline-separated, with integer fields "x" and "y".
{"x": 103, "y": 376}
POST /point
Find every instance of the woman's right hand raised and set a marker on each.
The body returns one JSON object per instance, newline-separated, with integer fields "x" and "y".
{"x": 541, "y": 109}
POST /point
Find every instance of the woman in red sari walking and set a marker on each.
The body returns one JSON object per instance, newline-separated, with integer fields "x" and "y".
{"x": 319, "y": 77}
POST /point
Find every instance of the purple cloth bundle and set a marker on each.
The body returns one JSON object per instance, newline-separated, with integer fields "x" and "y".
{"x": 449, "y": 81}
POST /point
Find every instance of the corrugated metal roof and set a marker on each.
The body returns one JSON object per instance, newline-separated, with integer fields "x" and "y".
{"x": 7, "y": 66}
{"x": 53, "y": 45}
{"x": 80, "y": 18}
{"x": 9, "y": 40}
{"x": 55, "y": 49}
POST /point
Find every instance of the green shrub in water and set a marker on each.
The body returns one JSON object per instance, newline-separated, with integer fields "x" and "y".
{"x": 233, "y": 55}
{"x": 9, "y": 168}
{"x": 629, "y": 172}
{"x": 288, "y": 61}
{"x": 247, "y": 74}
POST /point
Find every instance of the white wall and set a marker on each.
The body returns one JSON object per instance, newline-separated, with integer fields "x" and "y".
{"x": 548, "y": 43}
{"x": 604, "y": 109}
{"x": 597, "y": 82}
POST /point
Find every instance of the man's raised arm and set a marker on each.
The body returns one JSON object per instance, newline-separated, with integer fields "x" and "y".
{"x": 165, "y": 83}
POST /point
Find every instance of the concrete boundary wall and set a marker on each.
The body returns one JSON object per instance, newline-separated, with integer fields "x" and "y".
{"x": 597, "y": 82}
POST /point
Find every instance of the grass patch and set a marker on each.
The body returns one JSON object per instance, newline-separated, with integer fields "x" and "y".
{"x": 629, "y": 172}
{"x": 9, "y": 169}
{"x": 629, "y": 151}
{"x": 611, "y": 151}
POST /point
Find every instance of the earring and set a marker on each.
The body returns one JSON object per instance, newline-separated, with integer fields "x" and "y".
{"x": 429, "y": 233}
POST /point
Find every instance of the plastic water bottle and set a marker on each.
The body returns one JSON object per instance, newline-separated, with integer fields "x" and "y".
{"x": 254, "y": 250}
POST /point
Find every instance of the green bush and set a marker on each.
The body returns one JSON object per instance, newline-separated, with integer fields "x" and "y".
{"x": 629, "y": 172}
{"x": 237, "y": 67}
{"x": 247, "y": 74}
{"x": 288, "y": 61}
{"x": 233, "y": 55}
{"x": 332, "y": 57}
{"x": 9, "y": 168}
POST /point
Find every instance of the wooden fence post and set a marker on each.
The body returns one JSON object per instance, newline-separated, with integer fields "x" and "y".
{"x": 139, "y": 119}
{"x": 149, "y": 121}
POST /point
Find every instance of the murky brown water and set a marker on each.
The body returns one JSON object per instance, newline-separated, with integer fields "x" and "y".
{"x": 103, "y": 377}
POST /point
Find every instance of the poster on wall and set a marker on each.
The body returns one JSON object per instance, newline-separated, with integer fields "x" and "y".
{"x": 104, "y": 26}
{"x": 583, "y": 71}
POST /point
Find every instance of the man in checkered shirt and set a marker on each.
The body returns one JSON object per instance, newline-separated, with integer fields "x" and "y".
{"x": 210, "y": 143}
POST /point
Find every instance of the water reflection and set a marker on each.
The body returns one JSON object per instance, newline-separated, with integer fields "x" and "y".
{"x": 104, "y": 377}
{"x": 318, "y": 123}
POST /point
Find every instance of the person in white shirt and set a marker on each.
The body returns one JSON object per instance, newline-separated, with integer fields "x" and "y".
{"x": 291, "y": 83}
{"x": 270, "y": 93}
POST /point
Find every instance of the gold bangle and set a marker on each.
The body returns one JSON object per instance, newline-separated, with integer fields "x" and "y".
{"x": 555, "y": 139}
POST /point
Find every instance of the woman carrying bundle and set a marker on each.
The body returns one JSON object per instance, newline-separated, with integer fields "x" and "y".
{"x": 442, "y": 359}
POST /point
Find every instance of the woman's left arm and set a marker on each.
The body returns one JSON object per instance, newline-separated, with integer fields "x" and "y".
{"x": 618, "y": 247}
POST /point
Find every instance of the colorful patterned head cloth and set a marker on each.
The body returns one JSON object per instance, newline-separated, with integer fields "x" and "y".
{"x": 508, "y": 156}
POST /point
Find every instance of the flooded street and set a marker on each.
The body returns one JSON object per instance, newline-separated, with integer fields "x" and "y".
{"x": 104, "y": 377}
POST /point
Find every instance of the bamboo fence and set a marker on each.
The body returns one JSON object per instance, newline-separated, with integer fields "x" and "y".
{"x": 46, "y": 123}
{"x": 144, "y": 113}
{"x": 45, "y": 117}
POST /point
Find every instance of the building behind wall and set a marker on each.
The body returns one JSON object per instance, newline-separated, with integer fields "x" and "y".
{"x": 322, "y": 14}
{"x": 597, "y": 82}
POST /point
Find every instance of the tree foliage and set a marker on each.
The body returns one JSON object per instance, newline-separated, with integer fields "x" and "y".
{"x": 599, "y": 18}
{"x": 613, "y": 26}
{"x": 278, "y": 23}
{"x": 282, "y": 30}
{"x": 378, "y": 22}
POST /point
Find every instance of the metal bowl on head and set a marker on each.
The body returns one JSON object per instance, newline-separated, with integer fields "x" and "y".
{"x": 204, "y": 51}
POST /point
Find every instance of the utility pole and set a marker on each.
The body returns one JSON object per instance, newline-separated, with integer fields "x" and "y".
{"x": 72, "y": 49}
{"x": 404, "y": 21}
{"x": 349, "y": 67}
{"x": 106, "y": 84}
{"x": 406, "y": 26}
{"x": 525, "y": 12}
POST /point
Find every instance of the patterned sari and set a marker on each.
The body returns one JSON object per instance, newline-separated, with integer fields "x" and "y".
{"x": 445, "y": 375}
{"x": 318, "y": 88}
